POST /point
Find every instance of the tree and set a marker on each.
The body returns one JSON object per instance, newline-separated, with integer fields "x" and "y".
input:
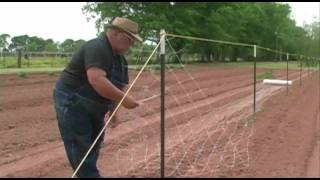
{"x": 312, "y": 39}
{"x": 50, "y": 46}
{"x": 67, "y": 45}
{"x": 70, "y": 45}
{"x": 260, "y": 23}
{"x": 4, "y": 41}
{"x": 18, "y": 41}
{"x": 78, "y": 44}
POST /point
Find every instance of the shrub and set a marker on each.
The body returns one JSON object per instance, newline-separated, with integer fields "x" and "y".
{"x": 22, "y": 74}
{"x": 51, "y": 73}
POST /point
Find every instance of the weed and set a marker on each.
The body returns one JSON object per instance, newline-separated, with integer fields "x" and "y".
{"x": 51, "y": 73}
{"x": 266, "y": 75}
{"x": 22, "y": 74}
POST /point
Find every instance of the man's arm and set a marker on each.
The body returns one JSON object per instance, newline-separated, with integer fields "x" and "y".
{"x": 115, "y": 103}
{"x": 97, "y": 79}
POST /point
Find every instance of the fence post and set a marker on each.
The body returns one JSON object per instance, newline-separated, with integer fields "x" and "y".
{"x": 28, "y": 59}
{"x": 51, "y": 58}
{"x": 300, "y": 59}
{"x": 287, "y": 73}
{"x": 162, "y": 124}
{"x": 254, "y": 77}
{"x": 308, "y": 62}
{"x": 19, "y": 50}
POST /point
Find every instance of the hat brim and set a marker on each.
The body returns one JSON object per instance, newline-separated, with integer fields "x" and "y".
{"x": 136, "y": 36}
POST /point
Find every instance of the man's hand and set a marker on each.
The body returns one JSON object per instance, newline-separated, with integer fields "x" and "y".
{"x": 130, "y": 103}
{"x": 114, "y": 122}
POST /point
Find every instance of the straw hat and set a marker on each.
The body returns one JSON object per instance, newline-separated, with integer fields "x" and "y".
{"x": 126, "y": 25}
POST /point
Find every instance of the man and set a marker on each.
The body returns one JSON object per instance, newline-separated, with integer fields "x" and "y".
{"x": 89, "y": 88}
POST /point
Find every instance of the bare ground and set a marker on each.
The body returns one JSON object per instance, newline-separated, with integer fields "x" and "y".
{"x": 211, "y": 130}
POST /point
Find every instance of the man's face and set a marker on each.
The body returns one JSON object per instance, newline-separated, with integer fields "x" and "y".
{"x": 124, "y": 42}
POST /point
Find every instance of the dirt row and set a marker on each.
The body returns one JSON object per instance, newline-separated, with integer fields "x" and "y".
{"x": 210, "y": 127}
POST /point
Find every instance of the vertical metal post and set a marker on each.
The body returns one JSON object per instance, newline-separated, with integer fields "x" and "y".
{"x": 162, "y": 125}
{"x": 319, "y": 77}
{"x": 28, "y": 59}
{"x": 254, "y": 77}
{"x": 19, "y": 57}
{"x": 308, "y": 67}
{"x": 2, "y": 58}
{"x": 1, "y": 53}
{"x": 287, "y": 73}
{"x": 300, "y": 70}
{"x": 318, "y": 94}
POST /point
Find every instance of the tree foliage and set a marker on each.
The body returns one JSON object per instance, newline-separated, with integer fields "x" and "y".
{"x": 264, "y": 24}
{"x": 38, "y": 44}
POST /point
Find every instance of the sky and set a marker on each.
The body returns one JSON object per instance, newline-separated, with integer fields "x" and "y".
{"x": 62, "y": 20}
{"x": 304, "y": 12}
{"x": 55, "y": 20}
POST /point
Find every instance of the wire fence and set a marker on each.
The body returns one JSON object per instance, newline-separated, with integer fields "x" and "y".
{"x": 209, "y": 121}
{"x": 209, "y": 113}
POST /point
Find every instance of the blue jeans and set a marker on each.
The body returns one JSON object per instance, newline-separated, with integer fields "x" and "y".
{"x": 80, "y": 120}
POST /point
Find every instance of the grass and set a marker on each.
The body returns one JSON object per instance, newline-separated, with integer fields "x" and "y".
{"x": 51, "y": 65}
{"x": 153, "y": 67}
{"x": 36, "y": 62}
{"x": 30, "y": 70}
{"x": 278, "y": 65}
{"x": 51, "y": 73}
{"x": 22, "y": 74}
{"x": 266, "y": 75}
{"x": 259, "y": 64}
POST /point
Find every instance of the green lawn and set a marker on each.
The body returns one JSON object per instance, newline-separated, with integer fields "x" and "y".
{"x": 29, "y": 70}
{"x": 57, "y": 64}
{"x": 38, "y": 62}
{"x": 8, "y": 65}
{"x": 269, "y": 65}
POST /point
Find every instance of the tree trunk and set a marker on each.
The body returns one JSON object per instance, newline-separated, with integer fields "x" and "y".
{"x": 222, "y": 54}
{"x": 219, "y": 54}
{"x": 208, "y": 56}
{"x": 179, "y": 58}
{"x": 19, "y": 58}
{"x": 213, "y": 56}
{"x": 235, "y": 54}
{"x": 202, "y": 58}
